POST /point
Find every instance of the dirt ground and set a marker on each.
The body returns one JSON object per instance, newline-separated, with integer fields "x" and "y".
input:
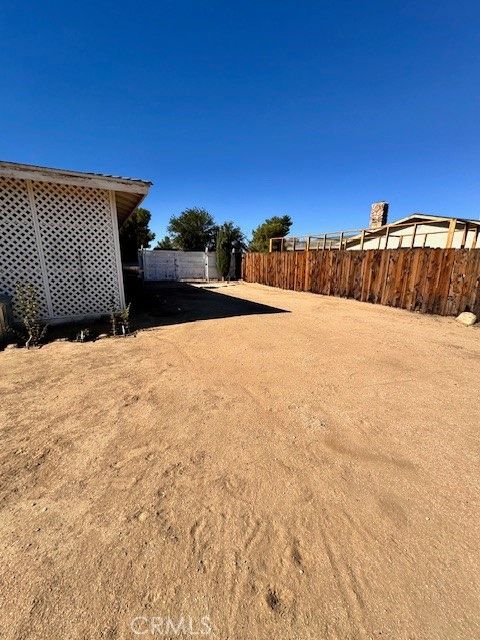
{"x": 265, "y": 465}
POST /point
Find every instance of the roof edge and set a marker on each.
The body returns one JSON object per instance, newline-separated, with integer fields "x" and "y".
{"x": 79, "y": 178}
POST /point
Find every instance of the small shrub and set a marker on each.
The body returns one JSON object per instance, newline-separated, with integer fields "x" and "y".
{"x": 124, "y": 317}
{"x": 113, "y": 317}
{"x": 120, "y": 320}
{"x": 83, "y": 335}
{"x": 28, "y": 305}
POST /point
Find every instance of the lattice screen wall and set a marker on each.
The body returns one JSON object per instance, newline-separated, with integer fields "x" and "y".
{"x": 19, "y": 256}
{"x": 61, "y": 239}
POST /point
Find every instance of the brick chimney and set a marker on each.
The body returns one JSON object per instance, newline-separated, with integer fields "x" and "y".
{"x": 378, "y": 215}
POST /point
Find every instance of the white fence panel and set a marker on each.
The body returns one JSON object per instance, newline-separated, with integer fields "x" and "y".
{"x": 180, "y": 265}
{"x": 190, "y": 265}
{"x": 158, "y": 267}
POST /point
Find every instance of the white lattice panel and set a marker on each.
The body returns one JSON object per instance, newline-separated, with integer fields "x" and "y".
{"x": 78, "y": 245}
{"x": 19, "y": 256}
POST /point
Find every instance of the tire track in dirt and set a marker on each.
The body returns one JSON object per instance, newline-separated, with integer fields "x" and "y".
{"x": 348, "y": 584}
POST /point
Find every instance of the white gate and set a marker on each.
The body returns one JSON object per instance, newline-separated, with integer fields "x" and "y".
{"x": 180, "y": 265}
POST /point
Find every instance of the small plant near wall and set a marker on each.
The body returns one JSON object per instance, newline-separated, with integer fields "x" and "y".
{"x": 28, "y": 306}
{"x": 83, "y": 335}
{"x": 113, "y": 317}
{"x": 120, "y": 320}
{"x": 124, "y": 320}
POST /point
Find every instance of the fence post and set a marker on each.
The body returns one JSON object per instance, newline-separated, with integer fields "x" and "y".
{"x": 475, "y": 237}
{"x": 464, "y": 236}
{"x": 451, "y": 231}
{"x": 207, "y": 275}
{"x": 362, "y": 239}
{"x": 387, "y": 234}
{"x": 413, "y": 235}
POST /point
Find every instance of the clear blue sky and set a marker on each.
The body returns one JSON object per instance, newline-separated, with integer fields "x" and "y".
{"x": 252, "y": 108}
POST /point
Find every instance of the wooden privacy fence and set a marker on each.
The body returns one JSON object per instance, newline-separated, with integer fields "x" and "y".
{"x": 442, "y": 281}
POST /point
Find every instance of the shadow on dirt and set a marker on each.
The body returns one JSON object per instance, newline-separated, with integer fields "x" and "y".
{"x": 165, "y": 303}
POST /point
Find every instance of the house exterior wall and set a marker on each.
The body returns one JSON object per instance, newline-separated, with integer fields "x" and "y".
{"x": 436, "y": 237}
{"x": 63, "y": 239}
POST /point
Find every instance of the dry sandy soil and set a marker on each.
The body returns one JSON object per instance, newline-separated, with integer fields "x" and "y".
{"x": 308, "y": 474}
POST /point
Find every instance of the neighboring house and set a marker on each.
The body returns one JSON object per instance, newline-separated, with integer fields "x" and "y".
{"x": 415, "y": 230}
{"x": 59, "y": 232}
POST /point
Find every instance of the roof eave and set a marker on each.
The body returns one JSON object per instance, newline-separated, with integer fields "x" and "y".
{"x": 63, "y": 176}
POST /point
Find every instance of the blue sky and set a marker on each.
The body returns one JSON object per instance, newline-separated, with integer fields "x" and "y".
{"x": 252, "y": 109}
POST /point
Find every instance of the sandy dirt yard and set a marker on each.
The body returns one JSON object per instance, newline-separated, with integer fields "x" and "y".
{"x": 294, "y": 467}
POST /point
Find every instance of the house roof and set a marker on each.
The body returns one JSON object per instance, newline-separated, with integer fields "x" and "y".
{"x": 410, "y": 220}
{"x": 414, "y": 217}
{"x": 430, "y": 217}
{"x": 129, "y": 192}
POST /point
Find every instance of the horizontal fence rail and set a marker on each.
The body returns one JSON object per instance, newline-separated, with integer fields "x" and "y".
{"x": 441, "y": 281}
{"x": 440, "y": 233}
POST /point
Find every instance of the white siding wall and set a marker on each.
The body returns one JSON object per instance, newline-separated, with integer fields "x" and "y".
{"x": 62, "y": 239}
{"x": 436, "y": 238}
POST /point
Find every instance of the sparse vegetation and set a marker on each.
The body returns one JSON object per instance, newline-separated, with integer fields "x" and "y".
{"x": 83, "y": 335}
{"x": 119, "y": 320}
{"x": 28, "y": 305}
{"x": 124, "y": 317}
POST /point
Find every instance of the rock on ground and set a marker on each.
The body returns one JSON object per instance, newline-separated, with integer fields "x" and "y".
{"x": 467, "y": 318}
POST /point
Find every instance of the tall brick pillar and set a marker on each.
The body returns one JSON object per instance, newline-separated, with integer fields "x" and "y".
{"x": 378, "y": 215}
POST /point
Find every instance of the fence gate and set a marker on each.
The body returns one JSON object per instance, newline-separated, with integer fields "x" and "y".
{"x": 180, "y": 265}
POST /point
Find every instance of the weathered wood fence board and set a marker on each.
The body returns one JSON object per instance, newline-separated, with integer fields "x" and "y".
{"x": 442, "y": 281}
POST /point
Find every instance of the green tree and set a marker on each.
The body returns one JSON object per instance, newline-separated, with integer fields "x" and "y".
{"x": 223, "y": 250}
{"x": 275, "y": 227}
{"x": 165, "y": 244}
{"x": 234, "y": 235}
{"x": 193, "y": 230}
{"x": 135, "y": 233}
{"x": 229, "y": 237}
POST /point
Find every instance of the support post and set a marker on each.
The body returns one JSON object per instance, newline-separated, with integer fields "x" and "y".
{"x": 270, "y": 245}
{"x": 362, "y": 239}
{"x": 464, "y": 236}
{"x": 451, "y": 232}
{"x": 475, "y": 237}
{"x": 387, "y": 235}
{"x": 412, "y": 243}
